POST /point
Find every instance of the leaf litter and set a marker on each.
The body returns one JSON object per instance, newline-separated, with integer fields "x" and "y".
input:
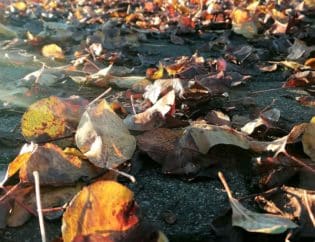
{"x": 175, "y": 109}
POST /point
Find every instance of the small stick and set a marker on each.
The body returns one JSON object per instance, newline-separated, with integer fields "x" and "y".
{"x": 100, "y": 96}
{"x": 130, "y": 177}
{"x": 133, "y": 105}
{"x": 226, "y": 186}
{"x": 56, "y": 209}
{"x": 92, "y": 63}
{"x": 266, "y": 90}
{"x": 39, "y": 206}
{"x": 8, "y": 194}
{"x": 300, "y": 162}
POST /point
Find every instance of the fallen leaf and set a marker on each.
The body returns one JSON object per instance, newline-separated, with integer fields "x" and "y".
{"x": 160, "y": 86}
{"x": 53, "y": 50}
{"x": 157, "y": 143}
{"x": 155, "y": 73}
{"x": 100, "y": 208}
{"x": 308, "y": 101}
{"x": 52, "y": 118}
{"x": 103, "y": 137}
{"x": 243, "y": 23}
{"x": 50, "y": 197}
{"x": 291, "y": 203}
{"x": 308, "y": 139}
{"x": 300, "y": 79}
{"x": 256, "y": 222}
{"x": 154, "y": 116}
{"x": 54, "y": 166}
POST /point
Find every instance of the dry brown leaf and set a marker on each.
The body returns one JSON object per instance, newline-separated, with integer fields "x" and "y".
{"x": 54, "y": 167}
{"x": 50, "y": 197}
{"x": 103, "y": 137}
{"x": 157, "y": 143}
{"x": 291, "y": 203}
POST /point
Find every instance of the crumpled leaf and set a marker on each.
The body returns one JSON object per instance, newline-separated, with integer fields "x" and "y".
{"x": 102, "y": 207}
{"x": 153, "y": 117}
{"x": 256, "y": 222}
{"x": 103, "y": 137}
{"x": 299, "y": 50}
{"x": 266, "y": 118}
{"x": 300, "y": 79}
{"x": 53, "y": 50}
{"x": 52, "y": 118}
{"x": 291, "y": 203}
{"x": 308, "y": 139}
{"x": 153, "y": 91}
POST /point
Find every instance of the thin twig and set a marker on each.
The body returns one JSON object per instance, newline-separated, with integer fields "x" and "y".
{"x": 39, "y": 207}
{"x": 132, "y": 105}
{"x": 100, "y": 96}
{"x": 266, "y": 90}
{"x": 310, "y": 213}
{"x": 130, "y": 177}
{"x": 92, "y": 63}
{"x": 299, "y": 162}
{"x": 55, "y": 209}
{"x": 226, "y": 186}
{"x": 9, "y": 194}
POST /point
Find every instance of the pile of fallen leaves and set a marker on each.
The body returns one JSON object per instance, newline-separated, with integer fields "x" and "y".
{"x": 79, "y": 147}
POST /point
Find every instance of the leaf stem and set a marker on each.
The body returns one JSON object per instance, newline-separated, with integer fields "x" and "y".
{"x": 226, "y": 186}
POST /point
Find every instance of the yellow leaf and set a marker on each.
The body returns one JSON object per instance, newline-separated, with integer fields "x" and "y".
{"x": 102, "y": 208}
{"x": 21, "y": 6}
{"x": 52, "y": 117}
{"x": 53, "y": 50}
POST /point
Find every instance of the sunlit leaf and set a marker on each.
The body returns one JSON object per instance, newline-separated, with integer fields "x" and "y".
{"x": 53, "y": 50}
{"x": 155, "y": 73}
{"x": 21, "y": 6}
{"x": 102, "y": 207}
{"x": 103, "y": 137}
{"x": 54, "y": 166}
{"x": 52, "y": 117}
